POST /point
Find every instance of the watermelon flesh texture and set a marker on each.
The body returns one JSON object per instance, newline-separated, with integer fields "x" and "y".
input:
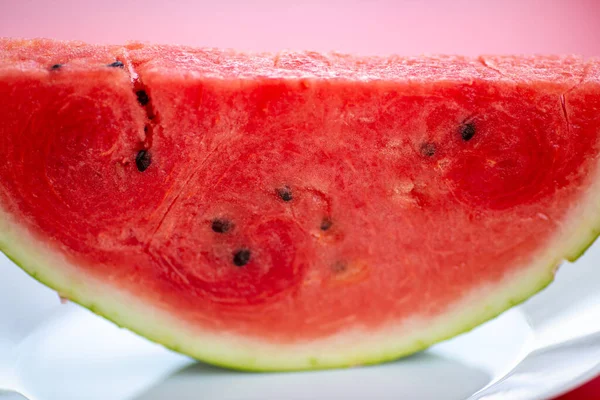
{"x": 298, "y": 210}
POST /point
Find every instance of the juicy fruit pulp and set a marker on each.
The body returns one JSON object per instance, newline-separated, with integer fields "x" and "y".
{"x": 298, "y": 201}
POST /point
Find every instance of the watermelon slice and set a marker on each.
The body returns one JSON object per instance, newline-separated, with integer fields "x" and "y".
{"x": 298, "y": 210}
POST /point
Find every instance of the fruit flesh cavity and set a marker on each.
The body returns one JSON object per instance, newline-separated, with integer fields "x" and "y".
{"x": 434, "y": 178}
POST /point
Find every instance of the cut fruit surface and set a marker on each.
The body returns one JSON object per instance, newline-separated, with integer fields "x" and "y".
{"x": 297, "y": 210}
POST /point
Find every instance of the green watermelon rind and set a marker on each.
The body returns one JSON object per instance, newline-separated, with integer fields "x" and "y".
{"x": 585, "y": 246}
{"x": 25, "y": 252}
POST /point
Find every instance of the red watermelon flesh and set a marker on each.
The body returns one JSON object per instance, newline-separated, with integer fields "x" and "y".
{"x": 294, "y": 210}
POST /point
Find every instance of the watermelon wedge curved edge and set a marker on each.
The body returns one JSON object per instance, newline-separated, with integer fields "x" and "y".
{"x": 128, "y": 312}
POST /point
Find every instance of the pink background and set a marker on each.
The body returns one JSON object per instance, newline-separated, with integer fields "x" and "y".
{"x": 368, "y": 27}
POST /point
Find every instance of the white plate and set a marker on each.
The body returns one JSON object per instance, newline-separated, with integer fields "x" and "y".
{"x": 549, "y": 345}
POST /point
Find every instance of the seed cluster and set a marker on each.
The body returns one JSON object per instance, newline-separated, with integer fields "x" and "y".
{"x": 242, "y": 256}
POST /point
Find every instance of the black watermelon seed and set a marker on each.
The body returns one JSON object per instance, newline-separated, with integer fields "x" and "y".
{"x": 285, "y": 193}
{"x": 146, "y": 129}
{"x": 143, "y": 160}
{"x": 326, "y": 224}
{"x": 116, "y": 64}
{"x": 467, "y": 131}
{"x": 241, "y": 257}
{"x": 339, "y": 267}
{"x": 428, "y": 149}
{"x": 142, "y": 97}
{"x": 221, "y": 225}
{"x": 56, "y": 66}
